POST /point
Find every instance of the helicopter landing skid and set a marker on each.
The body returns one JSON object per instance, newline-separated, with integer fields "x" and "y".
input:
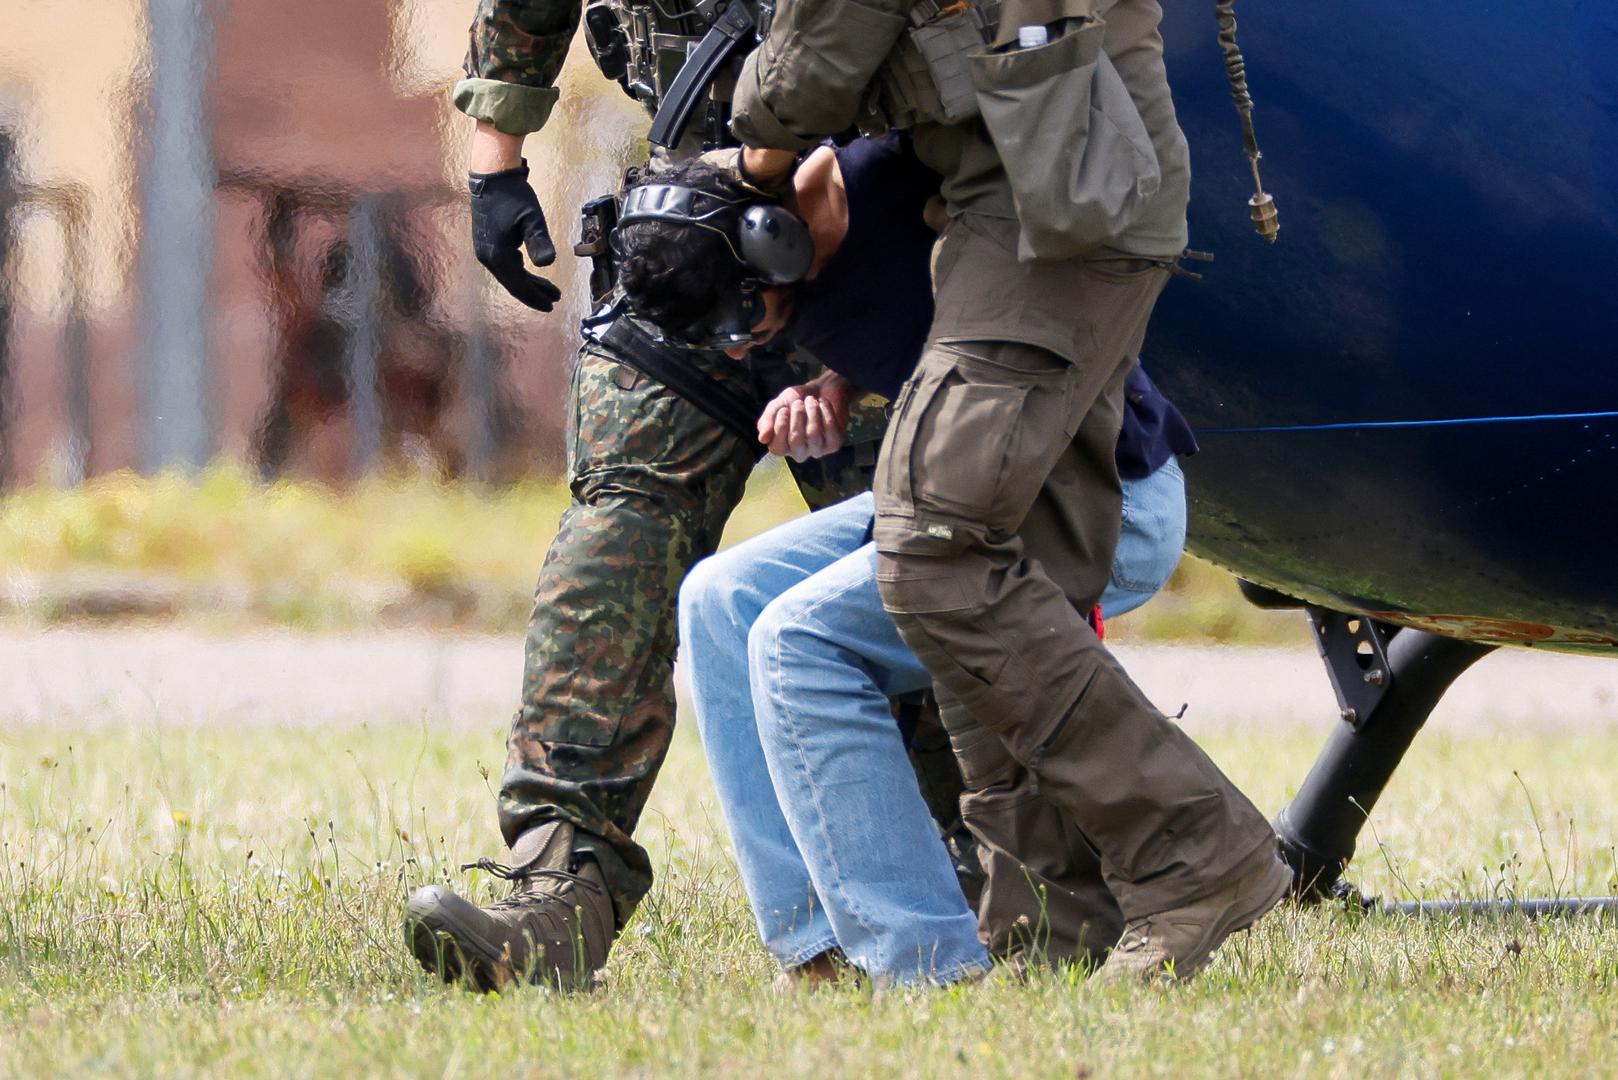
{"x": 1388, "y": 679}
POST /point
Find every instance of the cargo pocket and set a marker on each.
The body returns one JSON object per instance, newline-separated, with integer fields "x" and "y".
{"x": 581, "y": 728}
{"x": 892, "y": 483}
{"x": 960, "y": 460}
{"x": 1080, "y": 163}
{"x": 991, "y": 433}
{"x": 970, "y": 446}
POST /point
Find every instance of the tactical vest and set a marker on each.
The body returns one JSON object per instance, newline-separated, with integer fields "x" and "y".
{"x": 645, "y": 44}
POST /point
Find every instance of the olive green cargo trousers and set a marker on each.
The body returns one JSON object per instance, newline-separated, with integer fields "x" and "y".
{"x": 998, "y": 505}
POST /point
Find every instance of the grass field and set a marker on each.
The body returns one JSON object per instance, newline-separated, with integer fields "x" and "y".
{"x": 224, "y": 900}
{"x": 188, "y": 888}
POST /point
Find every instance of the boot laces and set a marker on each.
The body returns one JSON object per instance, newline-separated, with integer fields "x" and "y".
{"x": 528, "y": 871}
{"x": 1137, "y": 934}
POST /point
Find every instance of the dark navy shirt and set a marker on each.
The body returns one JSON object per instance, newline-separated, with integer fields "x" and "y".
{"x": 867, "y": 313}
{"x": 1153, "y": 429}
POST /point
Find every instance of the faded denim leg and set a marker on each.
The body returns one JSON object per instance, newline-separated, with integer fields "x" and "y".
{"x": 719, "y": 602}
{"x": 825, "y": 657}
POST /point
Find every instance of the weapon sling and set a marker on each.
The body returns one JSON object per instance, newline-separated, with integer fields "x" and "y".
{"x": 736, "y": 411}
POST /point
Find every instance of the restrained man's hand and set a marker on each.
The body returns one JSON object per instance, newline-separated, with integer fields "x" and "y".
{"x": 505, "y": 218}
{"x": 808, "y": 421}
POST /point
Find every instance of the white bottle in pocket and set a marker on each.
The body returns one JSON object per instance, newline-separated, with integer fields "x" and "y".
{"x": 1032, "y": 37}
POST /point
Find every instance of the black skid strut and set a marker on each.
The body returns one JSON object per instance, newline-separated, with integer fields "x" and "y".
{"x": 1388, "y": 679}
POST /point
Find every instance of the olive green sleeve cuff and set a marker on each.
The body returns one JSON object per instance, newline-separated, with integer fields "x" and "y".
{"x": 510, "y": 107}
{"x": 751, "y": 119}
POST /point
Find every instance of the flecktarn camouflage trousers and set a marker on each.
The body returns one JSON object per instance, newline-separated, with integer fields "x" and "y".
{"x": 653, "y": 480}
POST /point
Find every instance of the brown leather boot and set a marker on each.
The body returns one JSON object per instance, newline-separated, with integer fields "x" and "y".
{"x": 553, "y": 930}
{"x": 1179, "y": 942}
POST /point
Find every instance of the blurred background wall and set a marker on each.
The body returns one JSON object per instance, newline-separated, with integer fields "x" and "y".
{"x": 238, "y": 228}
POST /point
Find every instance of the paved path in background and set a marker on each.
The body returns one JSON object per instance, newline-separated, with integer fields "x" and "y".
{"x": 178, "y": 677}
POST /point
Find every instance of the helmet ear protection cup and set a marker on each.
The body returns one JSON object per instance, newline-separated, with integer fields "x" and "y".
{"x": 775, "y": 243}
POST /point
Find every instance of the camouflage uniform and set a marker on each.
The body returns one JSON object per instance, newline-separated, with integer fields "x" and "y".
{"x": 517, "y": 48}
{"x": 653, "y": 480}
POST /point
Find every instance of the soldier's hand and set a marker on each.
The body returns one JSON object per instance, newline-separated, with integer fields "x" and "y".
{"x": 729, "y": 162}
{"x": 767, "y": 169}
{"x": 505, "y": 219}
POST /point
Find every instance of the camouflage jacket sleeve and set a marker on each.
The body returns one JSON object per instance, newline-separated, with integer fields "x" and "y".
{"x": 516, "y": 51}
{"x": 807, "y": 79}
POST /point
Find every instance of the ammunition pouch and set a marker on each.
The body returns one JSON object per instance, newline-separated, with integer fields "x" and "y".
{"x": 926, "y": 79}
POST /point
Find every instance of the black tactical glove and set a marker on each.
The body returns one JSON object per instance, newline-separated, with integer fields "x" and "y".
{"x": 505, "y": 213}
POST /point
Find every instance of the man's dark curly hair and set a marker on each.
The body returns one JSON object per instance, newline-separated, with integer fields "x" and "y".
{"x": 675, "y": 274}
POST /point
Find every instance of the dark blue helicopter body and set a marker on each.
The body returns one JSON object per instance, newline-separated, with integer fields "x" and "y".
{"x": 1409, "y": 405}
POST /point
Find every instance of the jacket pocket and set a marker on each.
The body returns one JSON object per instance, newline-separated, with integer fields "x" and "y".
{"x": 1080, "y": 163}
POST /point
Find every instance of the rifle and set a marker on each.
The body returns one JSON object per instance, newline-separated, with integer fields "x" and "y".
{"x": 734, "y": 23}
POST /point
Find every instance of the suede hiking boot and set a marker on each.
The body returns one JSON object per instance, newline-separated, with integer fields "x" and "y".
{"x": 553, "y": 930}
{"x": 1178, "y": 943}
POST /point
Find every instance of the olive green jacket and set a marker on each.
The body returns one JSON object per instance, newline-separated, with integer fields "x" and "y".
{"x": 808, "y": 79}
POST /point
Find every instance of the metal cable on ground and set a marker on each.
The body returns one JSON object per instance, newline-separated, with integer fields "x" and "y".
{"x": 1266, "y": 219}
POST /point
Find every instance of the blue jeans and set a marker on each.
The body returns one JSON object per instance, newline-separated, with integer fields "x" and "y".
{"x": 790, "y": 680}
{"x": 1150, "y": 542}
{"x": 791, "y": 660}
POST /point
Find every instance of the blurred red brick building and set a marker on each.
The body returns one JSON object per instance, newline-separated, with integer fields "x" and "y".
{"x": 346, "y": 325}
